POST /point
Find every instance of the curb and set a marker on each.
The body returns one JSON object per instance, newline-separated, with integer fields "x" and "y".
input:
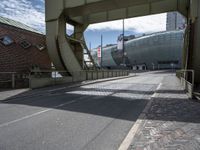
{"x": 135, "y": 128}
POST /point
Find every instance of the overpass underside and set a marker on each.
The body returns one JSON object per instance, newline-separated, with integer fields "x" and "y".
{"x": 67, "y": 52}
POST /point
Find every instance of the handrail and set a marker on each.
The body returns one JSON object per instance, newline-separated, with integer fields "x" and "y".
{"x": 62, "y": 71}
{"x": 41, "y": 78}
{"x": 8, "y": 72}
{"x": 12, "y": 78}
{"x": 188, "y": 70}
{"x": 74, "y": 39}
{"x": 185, "y": 78}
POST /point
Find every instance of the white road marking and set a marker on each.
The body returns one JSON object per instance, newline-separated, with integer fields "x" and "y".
{"x": 67, "y": 103}
{"x": 36, "y": 114}
{"x": 127, "y": 141}
{"x": 154, "y": 95}
{"x": 23, "y": 118}
{"x": 58, "y": 89}
{"x": 129, "y": 138}
{"x": 159, "y": 86}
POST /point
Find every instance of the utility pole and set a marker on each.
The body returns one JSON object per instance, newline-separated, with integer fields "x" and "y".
{"x": 123, "y": 59}
{"x": 90, "y": 47}
{"x": 101, "y": 49}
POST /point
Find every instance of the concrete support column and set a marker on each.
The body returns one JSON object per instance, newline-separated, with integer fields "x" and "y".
{"x": 194, "y": 48}
{"x": 78, "y": 50}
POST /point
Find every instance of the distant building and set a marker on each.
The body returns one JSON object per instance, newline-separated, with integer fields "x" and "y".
{"x": 162, "y": 50}
{"x": 175, "y": 21}
{"x": 21, "y": 49}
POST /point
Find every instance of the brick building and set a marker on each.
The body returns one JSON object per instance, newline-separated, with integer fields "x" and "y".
{"x": 21, "y": 49}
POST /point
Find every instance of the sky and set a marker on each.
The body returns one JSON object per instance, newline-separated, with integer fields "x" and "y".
{"x": 31, "y": 13}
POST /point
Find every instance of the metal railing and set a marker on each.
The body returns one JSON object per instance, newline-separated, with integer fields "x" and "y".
{"x": 187, "y": 79}
{"x": 54, "y": 77}
{"x": 94, "y": 73}
{"x": 14, "y": 80}
{"x": 8, "y": 77}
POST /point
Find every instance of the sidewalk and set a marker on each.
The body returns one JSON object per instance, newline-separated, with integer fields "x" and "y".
{"x": 11, "y": 93}
{"x": 171, "y": 123}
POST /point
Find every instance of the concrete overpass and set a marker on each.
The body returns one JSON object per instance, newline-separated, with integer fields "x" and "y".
{"x": 67, "y": 53}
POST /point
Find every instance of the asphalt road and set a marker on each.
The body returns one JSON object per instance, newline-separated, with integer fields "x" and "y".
{"x": 91, "y": 117}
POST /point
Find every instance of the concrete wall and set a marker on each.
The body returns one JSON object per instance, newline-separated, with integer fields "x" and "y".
{"x": 38, "y": 82}
{"x": 43, "y": 82}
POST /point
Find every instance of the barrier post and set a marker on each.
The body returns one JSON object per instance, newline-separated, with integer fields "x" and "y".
{"x": 13, "y": 80}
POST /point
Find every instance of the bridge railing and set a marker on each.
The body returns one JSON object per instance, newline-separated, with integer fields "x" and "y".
{"x": 14, "y": 80}
{"x": 7, "y": 79}
{"x": 187, "y": 80}
{"x": 43, "y": 78}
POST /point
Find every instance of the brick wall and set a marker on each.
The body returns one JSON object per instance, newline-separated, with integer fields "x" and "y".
{"x": 14, "y": 58}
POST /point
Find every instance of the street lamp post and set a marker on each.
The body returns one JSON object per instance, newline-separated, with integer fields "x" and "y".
{"x": 101, "y": 50}
{"x": 123, "y": 59}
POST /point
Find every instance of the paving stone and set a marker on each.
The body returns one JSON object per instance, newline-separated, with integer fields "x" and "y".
{"x": 171, "y": 123}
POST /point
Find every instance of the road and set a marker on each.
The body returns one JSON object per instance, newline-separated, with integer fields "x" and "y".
{"x": 91, "y": 117}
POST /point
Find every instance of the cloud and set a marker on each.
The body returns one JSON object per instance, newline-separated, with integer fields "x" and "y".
{"x": 31, "y": 13}
{"x": 146, "y": 24}
{"x": 25, "y": 11}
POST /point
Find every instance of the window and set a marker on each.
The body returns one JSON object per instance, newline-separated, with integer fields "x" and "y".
{"x": 6, "y": 40}
{"x": 25, "y": 44}
{"x": 69, "y": 29}
{"x": 41, "y": 47}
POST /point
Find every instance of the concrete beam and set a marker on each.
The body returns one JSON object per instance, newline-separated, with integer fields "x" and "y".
{"x": 53, "y": 9}
{"x": 109, "y": 10}
{"x": 194, "y": 9}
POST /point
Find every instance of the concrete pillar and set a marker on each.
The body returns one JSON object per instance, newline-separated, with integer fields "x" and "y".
{"x": 78, "y": 50}
{"x": 194, "y": 48}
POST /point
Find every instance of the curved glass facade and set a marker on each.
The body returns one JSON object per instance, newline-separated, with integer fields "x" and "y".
{"x": 159, "y": 50}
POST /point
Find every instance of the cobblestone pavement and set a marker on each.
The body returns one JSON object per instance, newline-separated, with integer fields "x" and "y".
{"x": 171, "y": 123}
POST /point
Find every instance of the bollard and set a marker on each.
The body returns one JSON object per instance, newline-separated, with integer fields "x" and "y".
{"x": 86, "y": 75}
{"x": 55, "y": 78}
{"x": 29, "y": 78}
{"x": 80, "y": 76}
{"x": 72, "y": 76}
{"x": 13, "y": 80}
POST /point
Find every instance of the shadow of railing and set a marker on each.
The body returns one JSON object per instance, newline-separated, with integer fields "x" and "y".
{"x": 116, "y": 103}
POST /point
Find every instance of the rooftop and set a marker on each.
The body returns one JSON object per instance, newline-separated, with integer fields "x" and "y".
{"x": 18, "y": 24}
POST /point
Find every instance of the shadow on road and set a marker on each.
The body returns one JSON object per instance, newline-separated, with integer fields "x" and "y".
{"x": 117, "y": 103}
